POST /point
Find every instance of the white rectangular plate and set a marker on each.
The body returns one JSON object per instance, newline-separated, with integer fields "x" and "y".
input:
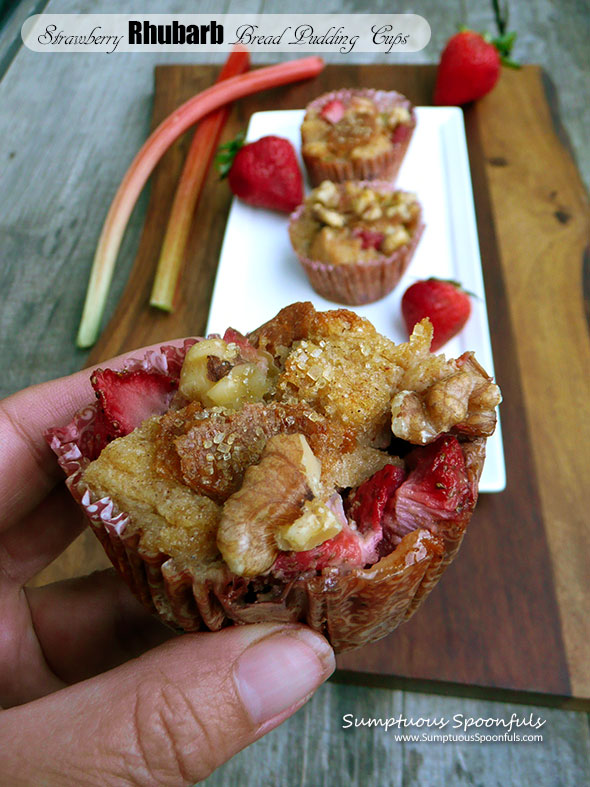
{"x": 259, "y": 273}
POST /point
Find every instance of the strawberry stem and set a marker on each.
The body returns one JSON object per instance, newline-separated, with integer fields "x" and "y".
{"x": 504, "y": 41}
{"x": 501, "y": 16}
{"x": 188, "y": 191}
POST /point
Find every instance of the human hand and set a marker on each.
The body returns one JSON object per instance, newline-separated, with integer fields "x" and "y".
{"x": 86, "y": 701}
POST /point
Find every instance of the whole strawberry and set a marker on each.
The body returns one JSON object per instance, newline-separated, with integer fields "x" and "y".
{"x": 264, "y": 173}
{"x": 470, "y": 63}
{"x": 445, "y": 303}
{"x": 469, "y": 68}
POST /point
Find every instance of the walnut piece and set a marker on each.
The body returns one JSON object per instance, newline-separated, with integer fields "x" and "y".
{"x": 327, "y": 194}
{"x": 327, "y": 216}
{"x": 271, "y": 497}
{"x": 393, "y": 240}
{"x": 462, "y": 403}
{"x": 316, "y": 524}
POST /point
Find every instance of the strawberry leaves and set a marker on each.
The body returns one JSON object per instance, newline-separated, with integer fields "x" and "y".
{"x": 226, "y": 154}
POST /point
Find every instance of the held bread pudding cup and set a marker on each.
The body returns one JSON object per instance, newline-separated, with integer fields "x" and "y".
{"x": 312, "y": 471}
{"x": 355, "y": 240}
{"x": 356, "y": 135}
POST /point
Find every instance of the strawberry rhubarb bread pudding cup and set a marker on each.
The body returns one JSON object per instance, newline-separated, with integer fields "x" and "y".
{"x": 356, "y": 239}
{"x": 356, "y": 135}
{"x": 309, "y": 471}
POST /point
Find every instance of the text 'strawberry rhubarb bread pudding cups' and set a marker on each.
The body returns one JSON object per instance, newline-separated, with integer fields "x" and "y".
{"x": 356, "y": 135}
{"x": 356, "y": 239}
{"x": 311, "y": 471}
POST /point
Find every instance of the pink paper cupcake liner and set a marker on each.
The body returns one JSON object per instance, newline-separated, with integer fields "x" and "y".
{"x": 363, "y": 282}
{"x": 385, "y": 166}
{"x": 349, "y": 606}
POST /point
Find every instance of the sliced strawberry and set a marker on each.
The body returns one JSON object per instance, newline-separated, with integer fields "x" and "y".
{"x": 370, "y": 239}
{"x": 345, "y": 548}
{"x": 333, "y": 111}
{"x": 127, "y": 398}
{"x": 400, "y": 133}
{"x": 366, "y": 504}
{"x": 93, "y": 440}
{"x": 437, "y": 488}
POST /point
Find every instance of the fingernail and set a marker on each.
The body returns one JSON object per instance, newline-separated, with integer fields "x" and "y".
{"x": 279, "y": 671}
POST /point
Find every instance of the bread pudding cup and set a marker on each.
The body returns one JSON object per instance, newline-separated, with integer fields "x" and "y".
{"x": 356, "y": 239}
{"x": 356, "y": 135}
{"x": 312, "y": 471}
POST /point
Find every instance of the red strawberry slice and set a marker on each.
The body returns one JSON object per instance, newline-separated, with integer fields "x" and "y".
{"x": 333, "y": 111}
{"x": 129, "y": 397}
{"x": 445, "y": 303}
{"x": 438, "y": 487}
{"x": 93, "y": 440}
{"x": 400, "y": 133}
{"x": 370, "y": 239}
{"x": 366, "y": 504}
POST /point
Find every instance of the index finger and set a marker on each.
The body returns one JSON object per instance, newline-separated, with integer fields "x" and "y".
{"x": 28, "y": 468}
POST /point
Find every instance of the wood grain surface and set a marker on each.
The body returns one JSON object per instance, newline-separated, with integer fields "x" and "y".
{"x": 507, "y": 615}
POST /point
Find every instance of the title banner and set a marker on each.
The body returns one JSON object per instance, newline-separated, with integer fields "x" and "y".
{"x": 320, "y": 33}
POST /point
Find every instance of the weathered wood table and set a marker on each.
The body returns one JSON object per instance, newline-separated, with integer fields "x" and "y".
{"x": 69, "y": 125}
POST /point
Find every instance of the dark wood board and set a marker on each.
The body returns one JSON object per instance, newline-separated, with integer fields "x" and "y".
{"x": 510, "y": 613}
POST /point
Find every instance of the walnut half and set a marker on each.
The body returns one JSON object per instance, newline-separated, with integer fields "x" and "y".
{"x": 271, "y": 497}
{"x": 461, "y": 403}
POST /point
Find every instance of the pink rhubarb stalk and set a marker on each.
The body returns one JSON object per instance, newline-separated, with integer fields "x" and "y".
{"x": 202, "y": 150}
{"x": 144, "y": 162}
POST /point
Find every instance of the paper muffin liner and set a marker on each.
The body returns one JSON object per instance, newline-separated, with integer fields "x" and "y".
{"x": 384, "y": 166}
{"x": 350, "y": 606}
{"x": 355, "y": 284}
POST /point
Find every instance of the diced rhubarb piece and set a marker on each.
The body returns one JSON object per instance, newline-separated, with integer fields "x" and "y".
{"x": 333, "y": 111}
{"x": 370, "y": 239}
{"x": 366, "y": 504}
{"x": 400, "y": 133}
{"x": 437, "y": 488}
{"x": 129, "y": 397}
{"x": 143, "y": 164}
{"x": 189, "y": 189}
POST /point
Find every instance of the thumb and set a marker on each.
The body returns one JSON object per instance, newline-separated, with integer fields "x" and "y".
{"x": 169, "y": 717}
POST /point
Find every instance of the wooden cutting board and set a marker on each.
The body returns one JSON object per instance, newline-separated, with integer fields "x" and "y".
{"x": 511, "y": 614}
